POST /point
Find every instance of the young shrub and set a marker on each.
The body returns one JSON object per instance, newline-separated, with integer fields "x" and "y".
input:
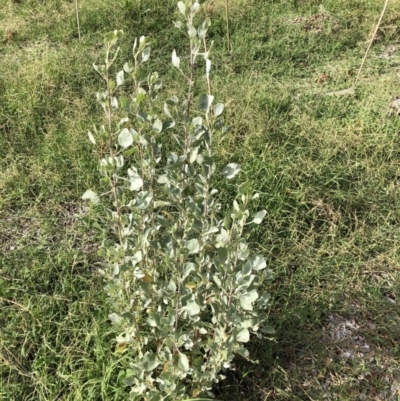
{"x": 180, "y": 279}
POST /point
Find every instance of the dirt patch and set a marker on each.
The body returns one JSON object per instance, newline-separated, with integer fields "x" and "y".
{"x": 35, "y": 229}
{"x": 343, "y": 334}
{"x": 321, "y": 22}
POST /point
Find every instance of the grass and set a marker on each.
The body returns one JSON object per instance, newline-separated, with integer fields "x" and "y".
{"x": 327, "y": 169}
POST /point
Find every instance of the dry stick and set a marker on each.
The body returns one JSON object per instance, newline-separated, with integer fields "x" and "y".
{"x": 77, "y": 19}
{"x": 22, "y": 307}
{"x": 227, "y": 24}
{"x": 371, "y": 41}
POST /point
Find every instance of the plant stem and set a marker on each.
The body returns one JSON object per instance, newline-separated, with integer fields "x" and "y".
{"x": 371, "y": 41}
{"x": 77, "y": 19}
{"x": 114, "y": 177}
{"x": 227, "y": 24}
{"x": 191, "y": 66}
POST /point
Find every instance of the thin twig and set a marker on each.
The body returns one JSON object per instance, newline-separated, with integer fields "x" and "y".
{"x": 109, "y": 116}
{"x": 77, "y": 19}
{"x": 227, "y": 24}
{"x": 191, "y": 66}
{"x": 371, "y": 41}
{"x": 22, "y": 307}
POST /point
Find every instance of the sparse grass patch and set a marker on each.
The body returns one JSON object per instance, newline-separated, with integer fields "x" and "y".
{"x": 327, "y": 169}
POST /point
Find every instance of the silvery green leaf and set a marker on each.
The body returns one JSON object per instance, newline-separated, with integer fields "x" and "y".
{"x": 141, "y": 94}
{"x": 208, "y": 67}
{"x": 120, "y": 78}
{"x": 230, "y": 170}
{"x": 151, "y": 321}
{"x": 166, "y": 110}
{"x": 132, "y": 172}
{"x": 193, "y": 155}
{"x": 243, "y": 336}
{"x": 173, "y": 101}
{"x": 125, "y": 138}
{"x": 259, "y": 216}
{"x": 206, "y": 23}
{"x": 205, "y": 101}
{"x": 246, "y": 300}
{"x": 115, "y": 319}
{"x": 150, "y": 361}
{"x": 197, "y": 121}
{"x": 220, "y": 333}
{"x": 119, "y": 161}
{"x": 161, "y": 203}
{"x": 157, "y": 126}
{"x": 212, "y": 230}
{"x": 178, "y": 24}
{"x": 217, "y": 281}
{"x": 110, "y": 37}
{"x": 246, "y": 269}
{"x": 91, "y": 138}
{"x": 188, "y": 268}
{"x": 192, "y": 31}
{"x": 136, "y": 183}
{"x": 167, "y": 125}
{"x": 222, "y": 239}
{"x": 138, "y": 273}
{"x": 145, "y": 54}
{"x": 122, "y": 122}
{"x": 257, "y": 263}
{"x": 269, "y": 274}
{"x": 134, "y": 46}
{"x": 244, "y": 352}
{"x": 201, "y": 32}
{"x": 136, "y": 258}
{"x": 218, "y": 109}
{"x": 182, "y": 7}
{"x": 143, "y": 141}
{"x": 255, "y": 196}
{"x": 226, "y": 129}
{"x": 195, "y": 6}
{"x": 190, "y": 305}
{"x": 267, "y": 329}
{"x": 264, "y": 299}
{"x": 116, "y": 270}
{"x": 175, "y": 60}
{"x": 163, "y": 179}
{"x": 114, "y": 103}
{"x": 92, "y": 196}
{"x": 128, "y": 67}
{"x": 205, "y": 277}
{"x": 182, "y": 362}
{"x": 143, "y": 200}
{"x": 193, "y": 245}
{"x": 245, "y": 281}
{"x": 246, "y": 323}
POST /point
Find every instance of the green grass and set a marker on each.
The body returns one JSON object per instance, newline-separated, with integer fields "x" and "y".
{"x": 327, "y": 169}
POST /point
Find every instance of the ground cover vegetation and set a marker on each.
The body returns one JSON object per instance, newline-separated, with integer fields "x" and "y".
{"x": 326, "y": 169}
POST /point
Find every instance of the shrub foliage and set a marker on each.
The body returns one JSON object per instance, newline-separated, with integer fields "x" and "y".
{"x": 181, "y": 280}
